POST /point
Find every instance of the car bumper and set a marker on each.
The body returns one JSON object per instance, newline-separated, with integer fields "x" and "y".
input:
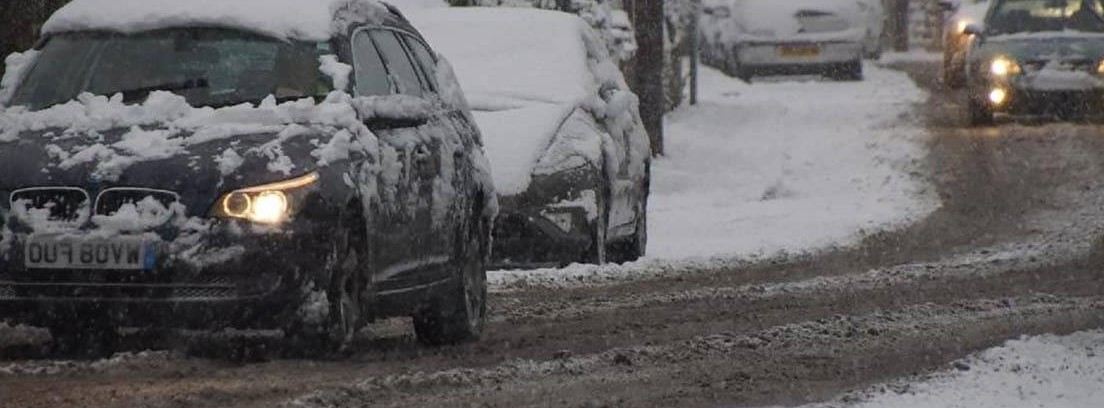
{"x": 1022, "y": 98}
{"x": 221, "y": 279}
{"x": 528, "y": 239}
{"x": 771, "y": 57}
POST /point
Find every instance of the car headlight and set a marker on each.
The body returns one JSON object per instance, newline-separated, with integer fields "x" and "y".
{"x": 265, "y": 204}
{"x": 1100, "y": 68}
{"x": 1004, "y": 66}
{"x": 962, "y": 24}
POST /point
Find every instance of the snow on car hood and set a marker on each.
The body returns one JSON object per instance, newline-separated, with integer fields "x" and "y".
{"x": 514, "y": 139}
{"x": 774, "y": 19}
{"x": 310, "y": 20}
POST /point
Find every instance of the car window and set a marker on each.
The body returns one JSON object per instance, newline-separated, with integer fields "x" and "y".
{"x": 371, "y": 76}
{"x": 398, "y": 63}
{"x": 1016, "y": 16}
{"x": 425, "y": 59}
{"x": 207, "y": 66}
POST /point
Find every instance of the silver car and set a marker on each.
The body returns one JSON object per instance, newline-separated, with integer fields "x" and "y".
{"x": 746, "y": 38}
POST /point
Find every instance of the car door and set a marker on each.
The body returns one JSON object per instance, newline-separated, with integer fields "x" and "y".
{"x": 418, "y": 253}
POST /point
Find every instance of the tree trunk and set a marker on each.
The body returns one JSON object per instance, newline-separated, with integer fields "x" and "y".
{"x": 647, "y": 78}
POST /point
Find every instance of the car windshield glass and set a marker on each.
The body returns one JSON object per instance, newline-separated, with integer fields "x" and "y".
{"x": 207, "y": 66}
{"x": 1020, "y": 16}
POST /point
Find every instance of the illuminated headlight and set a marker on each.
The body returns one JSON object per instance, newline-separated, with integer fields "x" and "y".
{"x": 998, "y": 96}
{"x": 961, "y": 26}
{"x": 1004, "y": 66}
{"x": 265, "y": 204}
{"x": 1100, "y": 68}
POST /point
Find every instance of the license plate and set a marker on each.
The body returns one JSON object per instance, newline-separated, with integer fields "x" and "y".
{"x": 798, "y": 51}
{"x": 92, "y": 253}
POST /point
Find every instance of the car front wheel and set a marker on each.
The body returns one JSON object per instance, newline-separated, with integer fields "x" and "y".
{"x": 979, "y": 113}
{"x": 459, "y": 315}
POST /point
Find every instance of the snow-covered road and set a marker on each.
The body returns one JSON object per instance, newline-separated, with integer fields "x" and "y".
{"x": 790, "y": 165}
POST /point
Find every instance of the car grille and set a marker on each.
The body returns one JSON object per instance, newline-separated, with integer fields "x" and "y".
{"x": 114, "y": 286}
{"x": 111, "y": 200}
{"x": 71, "y": 207}
{"x": 1085, "y": 65}
{"x": 58, "y": 206}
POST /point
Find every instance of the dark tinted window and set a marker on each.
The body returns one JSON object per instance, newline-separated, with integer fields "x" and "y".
{"x": 371, "y": 77}
{"x": 424, "y": 57}
{"x": 399, "y": 64}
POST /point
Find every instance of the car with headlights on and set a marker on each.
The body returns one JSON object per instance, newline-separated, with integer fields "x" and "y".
{"x": 956, "y": 41}
{"x": 568, "y": 151}
{"x": 1038, "y": 57}
{"x": 747, "y": 38}
{"x": 300, "y": 167}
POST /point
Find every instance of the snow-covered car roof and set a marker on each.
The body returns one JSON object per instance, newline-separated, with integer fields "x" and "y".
{"x": 511, "y": 53}
{"x": 309, "y": 20}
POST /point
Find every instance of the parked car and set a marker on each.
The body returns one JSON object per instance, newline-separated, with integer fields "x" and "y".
{"x": 1037, "y": 57}
{"x": 171, "y": 165}
{"x": 956, "y": 41}
{"x": 872, "y": 14}
{"x": 747, "y": 38}
{"x": 569, "y": 153}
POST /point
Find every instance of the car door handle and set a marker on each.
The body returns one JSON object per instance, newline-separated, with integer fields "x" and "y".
{"x": 425, "y": 163}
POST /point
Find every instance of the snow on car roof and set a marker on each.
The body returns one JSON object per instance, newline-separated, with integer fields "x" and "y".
{"x": 310, "y": 20}
{"x": 524, "y": 54}
{"x": 778, "y": 16}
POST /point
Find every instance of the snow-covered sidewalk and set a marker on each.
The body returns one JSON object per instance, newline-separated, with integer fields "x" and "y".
{"x": 790, "y": 164}
{"x": 1030, "y": 372}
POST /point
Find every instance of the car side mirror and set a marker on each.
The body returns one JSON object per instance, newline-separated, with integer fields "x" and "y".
{"x": 972, "y": 29}
{"x": 392, "y": 111}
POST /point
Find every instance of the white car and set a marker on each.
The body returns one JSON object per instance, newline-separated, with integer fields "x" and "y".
{"x": 746, "y": 38}
{"x": 561, "y": 129}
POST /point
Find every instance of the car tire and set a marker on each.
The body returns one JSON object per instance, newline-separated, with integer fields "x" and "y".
{"x": 953, "y": 76}
{"x": 848, "y": 71}
{"x": 734, "y": 68}
{"x": 460, "y": 314}
{"x": 979, "y": 113}
{"x": 597, "y": 253}
{"x": 83, "y": 338}
{"x": 635, "y": 246}
{"x": 345, "y": 282}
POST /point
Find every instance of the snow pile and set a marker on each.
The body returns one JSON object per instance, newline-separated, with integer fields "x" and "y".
{"x": 1040, "y": 371}
{"x": 310, "y": 20}
{"x": 787, "y": 166}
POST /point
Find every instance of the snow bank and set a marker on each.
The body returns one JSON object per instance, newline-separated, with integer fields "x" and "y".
{"x": 1029, "y": 372}
{"x": 784, "y": 167}
{"x": 787, "y": 166}
{"x": 310, "y": 20}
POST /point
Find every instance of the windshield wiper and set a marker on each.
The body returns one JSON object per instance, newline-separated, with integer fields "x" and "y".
{"x": 136, "y": 94}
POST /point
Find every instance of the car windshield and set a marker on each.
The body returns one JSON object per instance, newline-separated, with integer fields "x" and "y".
{"x": 207, "y": 66}
{"x": 1026, "y": 16}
